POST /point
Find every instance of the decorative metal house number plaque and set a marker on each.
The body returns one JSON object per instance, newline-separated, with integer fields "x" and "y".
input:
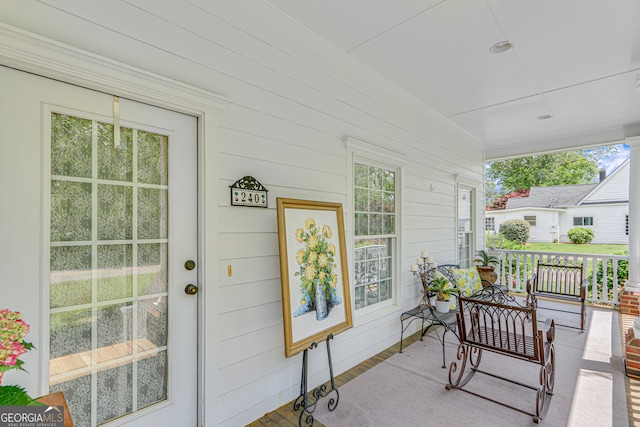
{"x": 248, "y": 191}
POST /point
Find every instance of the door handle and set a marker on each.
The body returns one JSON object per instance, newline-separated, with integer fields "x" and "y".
{"x": 191, "y": 289}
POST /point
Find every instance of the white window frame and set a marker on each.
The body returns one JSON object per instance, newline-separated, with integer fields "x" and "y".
{"x": 582, "y": 221}
{"x": 364, "y": 153}
{"x": 462, "y": 183}
{"x": 532, "y": 222}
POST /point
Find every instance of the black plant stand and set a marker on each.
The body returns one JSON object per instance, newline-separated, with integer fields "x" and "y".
{"x": 303, "y": 401}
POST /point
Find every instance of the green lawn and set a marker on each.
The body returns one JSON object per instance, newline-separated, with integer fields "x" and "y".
{"x": 571, "y": 248}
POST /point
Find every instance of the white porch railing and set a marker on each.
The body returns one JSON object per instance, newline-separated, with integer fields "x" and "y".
{"x": 605, "y": 274}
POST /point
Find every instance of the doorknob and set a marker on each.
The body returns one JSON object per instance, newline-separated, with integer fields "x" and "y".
{"x": 191, "y": 289}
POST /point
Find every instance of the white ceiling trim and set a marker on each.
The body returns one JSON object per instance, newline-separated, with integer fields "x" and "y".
{"x": 35, "y": 54}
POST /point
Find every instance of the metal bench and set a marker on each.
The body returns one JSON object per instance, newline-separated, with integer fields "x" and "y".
{"x": 509, "y": 329}
{"x": 559, "y": 279}
{"x": 430, "y": 317}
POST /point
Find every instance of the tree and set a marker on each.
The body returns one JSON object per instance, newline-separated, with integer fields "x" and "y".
{"x": 566, "y": 168}
{"x": 500, "y": 202}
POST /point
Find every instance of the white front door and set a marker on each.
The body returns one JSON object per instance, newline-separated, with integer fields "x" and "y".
{"x": 96, "y": 233}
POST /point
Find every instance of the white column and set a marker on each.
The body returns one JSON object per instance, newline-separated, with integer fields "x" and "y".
{"x": 633, "y": 283}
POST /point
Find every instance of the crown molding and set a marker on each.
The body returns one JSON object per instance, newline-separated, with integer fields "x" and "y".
{"x": 32, "y": 53}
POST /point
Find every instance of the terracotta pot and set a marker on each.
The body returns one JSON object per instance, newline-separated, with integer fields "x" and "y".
{"x": 57, "y": 399}
{"x": 487, "y": 273}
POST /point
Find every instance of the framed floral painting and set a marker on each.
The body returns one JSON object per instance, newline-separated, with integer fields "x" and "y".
{"x": 313, "y": 269}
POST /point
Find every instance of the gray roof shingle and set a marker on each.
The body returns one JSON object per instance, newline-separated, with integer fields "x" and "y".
{"x": 557, "y": 196}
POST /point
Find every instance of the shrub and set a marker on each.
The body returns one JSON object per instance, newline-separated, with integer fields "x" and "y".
{"x": 510, "y": 245}
{"x": 623, "y": 275}
{"x": 516, "y": 230}
{"x": 495, "y": 241}
{"x": 580, "y": 235}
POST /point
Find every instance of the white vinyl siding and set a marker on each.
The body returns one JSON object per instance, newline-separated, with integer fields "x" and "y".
{"x": 292, "y": 99}
{"x": 608, "y": 222}
{"x": 546, "y": 229}
{"x": 615, "y": 188}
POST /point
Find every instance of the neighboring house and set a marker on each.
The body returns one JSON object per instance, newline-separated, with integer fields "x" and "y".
{"x": 553, "y": 210}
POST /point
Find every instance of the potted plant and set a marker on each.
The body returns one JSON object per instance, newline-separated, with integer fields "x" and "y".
{"x": 442, "y": 289}
{"x": 485, "y": 263}
{"x": 12, "y": 345}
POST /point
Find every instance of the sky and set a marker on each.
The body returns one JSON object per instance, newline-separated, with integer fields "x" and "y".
{"x": 616, "y": 159}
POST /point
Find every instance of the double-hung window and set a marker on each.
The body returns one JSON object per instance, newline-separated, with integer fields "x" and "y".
{"x": 375, "y": 193}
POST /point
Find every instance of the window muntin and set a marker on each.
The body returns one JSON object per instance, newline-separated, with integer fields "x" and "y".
{"x": 582, "y": 220}
{"x": 490, "y": 224}
{"x": 531, "y": 219}
{"x": 109, "y": 246}
{"x": 375, "y": 195}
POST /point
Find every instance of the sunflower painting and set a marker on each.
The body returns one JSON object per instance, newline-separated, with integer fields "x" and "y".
{"x": 315, "y": 289}
{"x": 317, "y": 278}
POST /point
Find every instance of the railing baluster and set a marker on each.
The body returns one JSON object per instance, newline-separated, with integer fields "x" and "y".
{"x": 615, "y": 285}
{"x": 517, "y": 266}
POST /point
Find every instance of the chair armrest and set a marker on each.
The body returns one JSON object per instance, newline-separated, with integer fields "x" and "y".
{"x": 549, "y": 329}
{"x": 583, "y": 290}
{"x": 530, "y": 284}
{"x": 486, "y": 282}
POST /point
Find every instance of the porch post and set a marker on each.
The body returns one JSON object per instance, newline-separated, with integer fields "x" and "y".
{"x": 633, "y": 283}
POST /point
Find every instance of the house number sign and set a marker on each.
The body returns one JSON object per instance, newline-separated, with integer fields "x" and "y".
{"x": 248, "y": 191}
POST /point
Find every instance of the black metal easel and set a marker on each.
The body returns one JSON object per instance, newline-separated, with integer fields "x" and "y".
{"x": 303, "y": 401}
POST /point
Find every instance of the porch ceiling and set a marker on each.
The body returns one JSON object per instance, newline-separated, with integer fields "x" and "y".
{"x": 577, "y": 61}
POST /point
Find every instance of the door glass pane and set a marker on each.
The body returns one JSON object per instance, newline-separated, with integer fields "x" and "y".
{"x": 108, "y": 258}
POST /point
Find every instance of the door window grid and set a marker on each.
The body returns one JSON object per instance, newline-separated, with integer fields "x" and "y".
{"x": 104, "y": 279}
{"x": 375, "y": 210}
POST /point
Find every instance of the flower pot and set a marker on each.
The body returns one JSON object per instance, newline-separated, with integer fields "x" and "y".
{"x": 57, "y": 399}
{"x": 487, "y": 273}
{"x": 443, "y": 306}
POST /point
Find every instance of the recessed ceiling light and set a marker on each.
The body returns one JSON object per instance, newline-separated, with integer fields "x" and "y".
{"x": 545, "y": 117}
{"x": 501, "y": 47}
